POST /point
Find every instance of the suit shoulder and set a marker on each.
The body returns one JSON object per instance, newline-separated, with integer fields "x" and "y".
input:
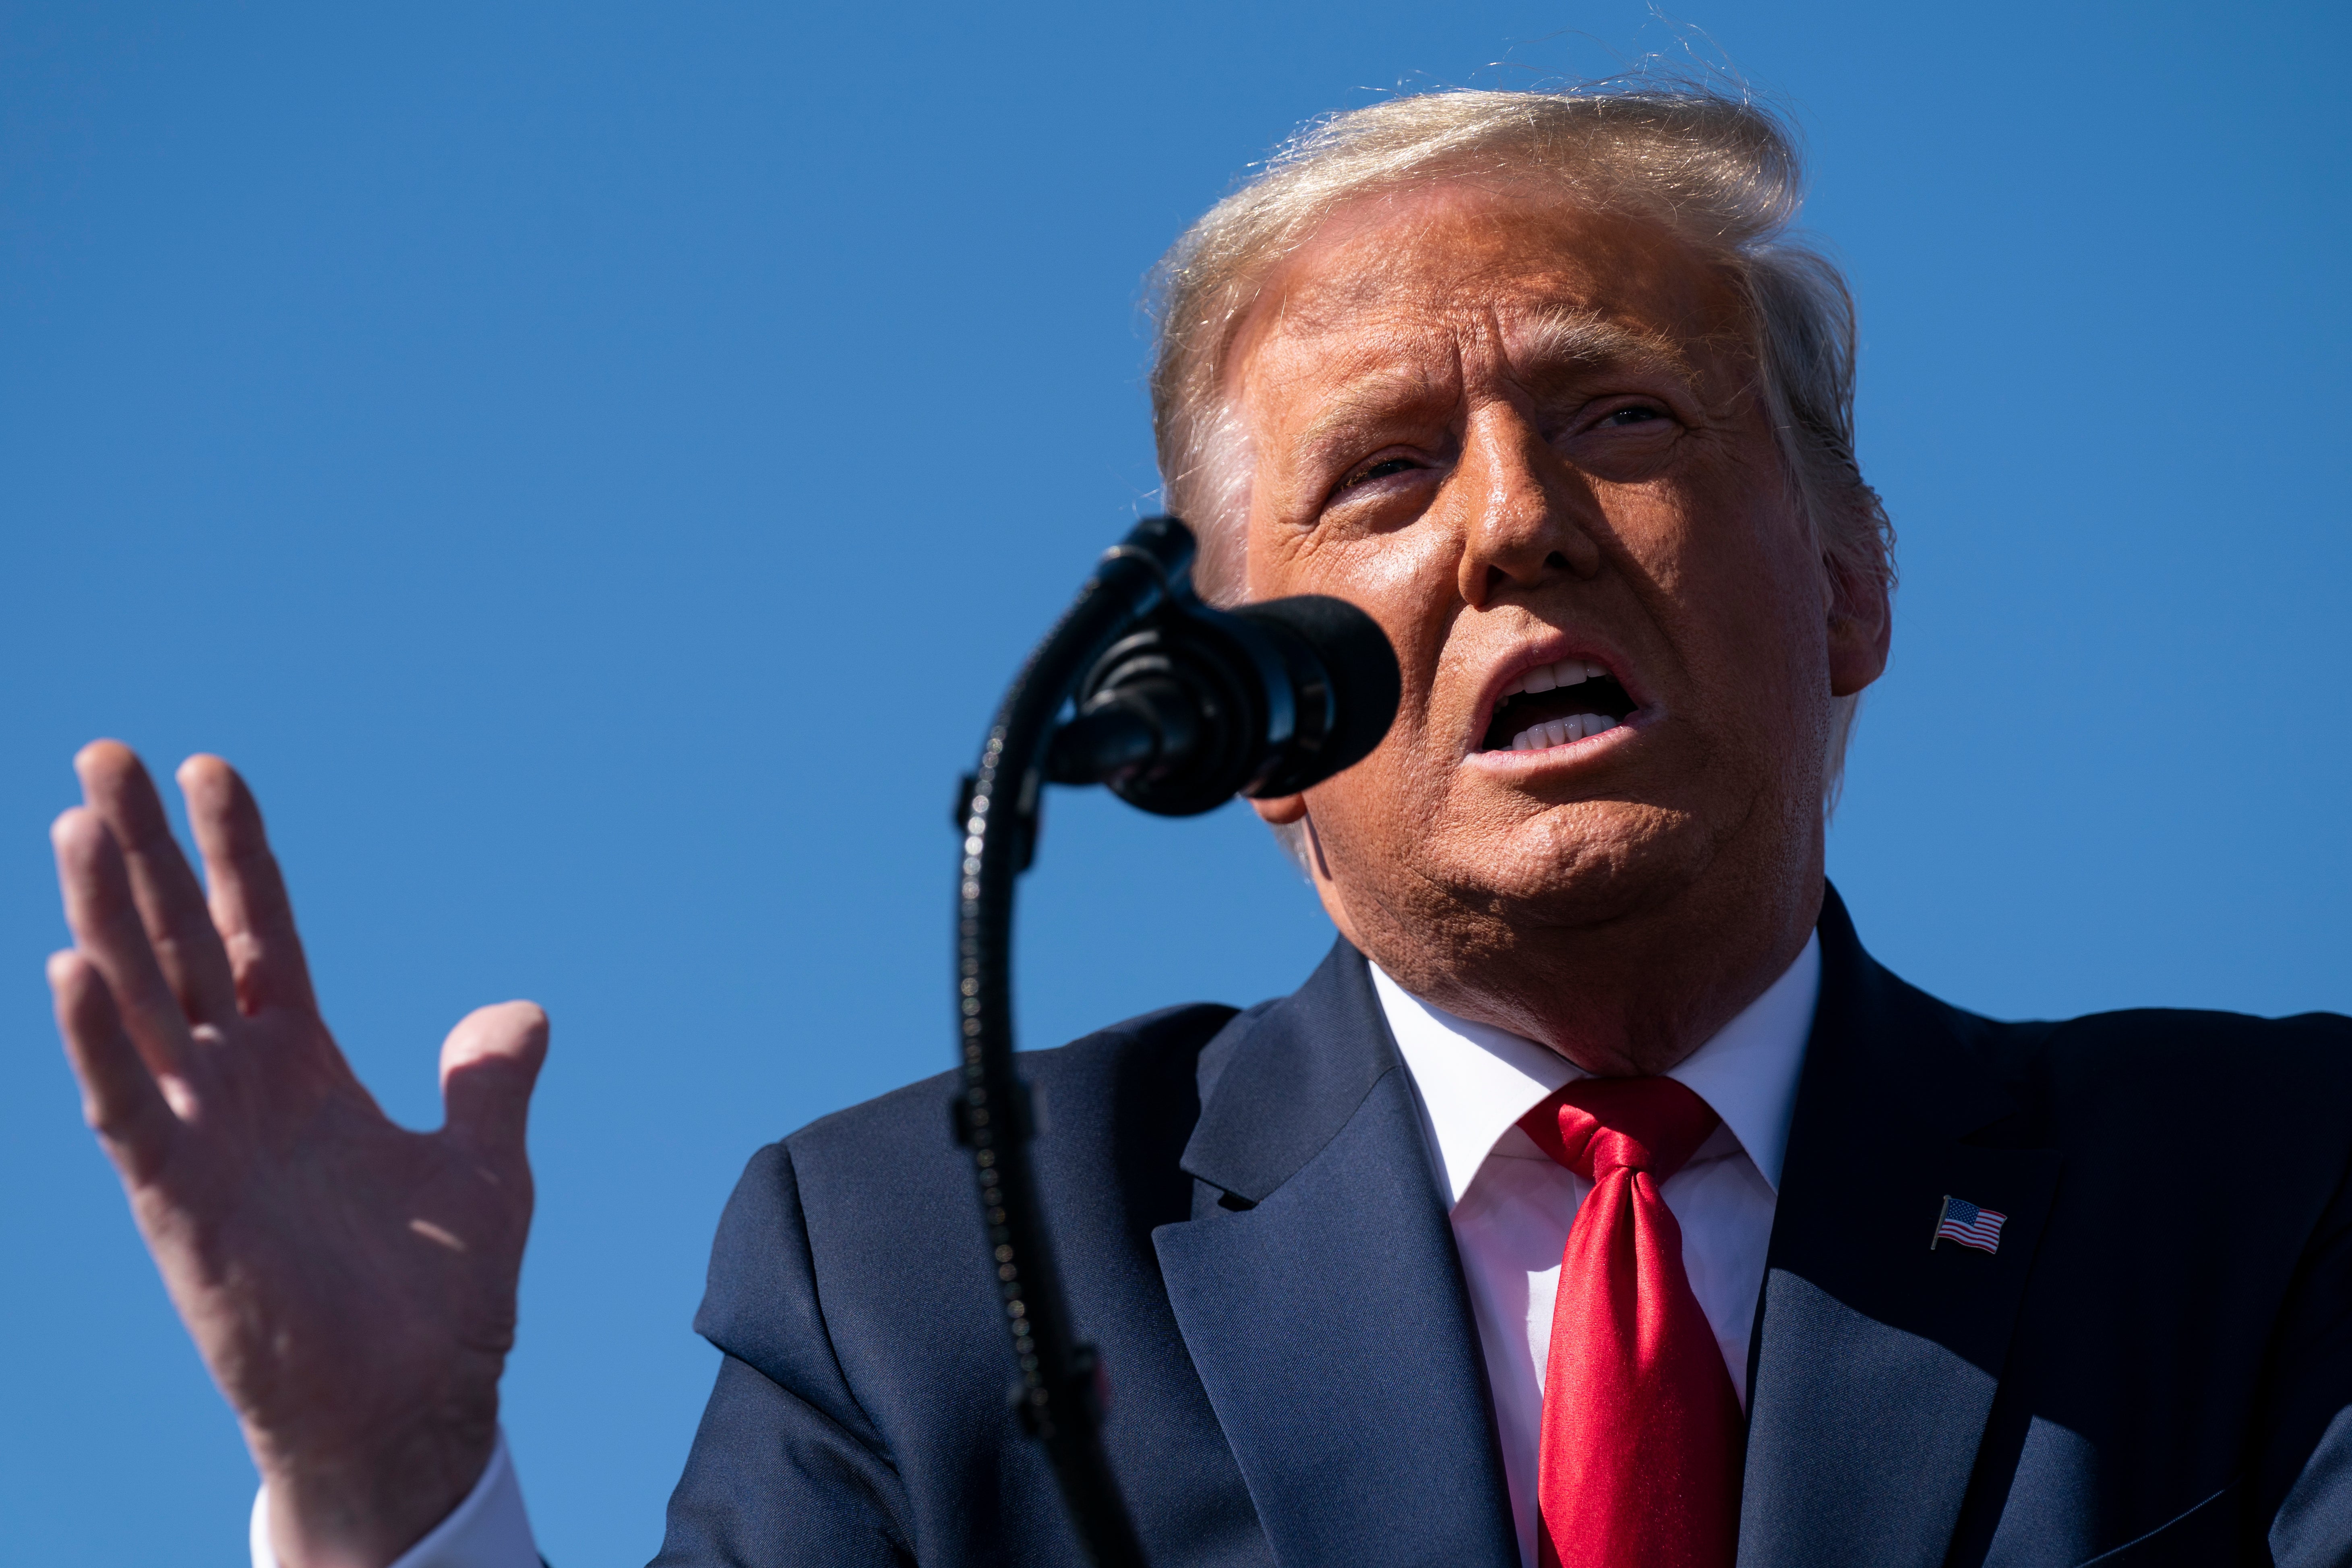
{"x": 1081, "y": 1078}
{"x": 878, "y": 1189}
{"x": 2143, "y": 1073}
{"x": 2312, "y": 1047}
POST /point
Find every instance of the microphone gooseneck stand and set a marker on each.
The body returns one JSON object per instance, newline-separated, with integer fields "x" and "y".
{"x": 1057, "y": 1397}
{"x": 1179, "y": 708}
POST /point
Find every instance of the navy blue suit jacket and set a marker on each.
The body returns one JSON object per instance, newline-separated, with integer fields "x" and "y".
{"x": 2156, "y": 1367}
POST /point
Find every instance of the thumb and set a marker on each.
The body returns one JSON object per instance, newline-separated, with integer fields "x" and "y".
{"x": 488, "y": 1064}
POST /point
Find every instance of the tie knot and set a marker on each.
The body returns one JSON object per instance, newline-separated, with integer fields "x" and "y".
{"x": 1597, "y": 1124}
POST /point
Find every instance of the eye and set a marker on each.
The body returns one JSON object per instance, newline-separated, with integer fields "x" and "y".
{"x": 1379, "y": 471}
{"x": 1623, "y": 433}
{"x": 1636, "y": 415}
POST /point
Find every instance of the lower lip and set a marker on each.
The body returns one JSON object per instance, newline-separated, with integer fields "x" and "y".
{"x": 1510, "y": 762}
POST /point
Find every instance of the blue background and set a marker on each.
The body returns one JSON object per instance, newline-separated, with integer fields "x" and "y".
{"x": 594, "y": 468}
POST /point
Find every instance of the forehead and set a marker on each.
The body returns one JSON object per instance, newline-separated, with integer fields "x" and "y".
{"x": 1459, "y": 266}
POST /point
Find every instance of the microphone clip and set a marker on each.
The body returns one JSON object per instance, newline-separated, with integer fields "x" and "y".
{"x": 1196, "y": 704}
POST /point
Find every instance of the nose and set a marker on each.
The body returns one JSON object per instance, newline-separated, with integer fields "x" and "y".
{"x": 1531, "y": 518}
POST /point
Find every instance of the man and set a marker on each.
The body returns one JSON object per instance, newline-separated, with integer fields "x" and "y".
{"x": 1598, "y": 1200}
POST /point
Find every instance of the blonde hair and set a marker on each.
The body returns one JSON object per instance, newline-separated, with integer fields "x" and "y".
{"x": 1719, "y": 170}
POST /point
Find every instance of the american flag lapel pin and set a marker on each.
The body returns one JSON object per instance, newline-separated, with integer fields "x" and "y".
{"x": 1962, "y": 1221}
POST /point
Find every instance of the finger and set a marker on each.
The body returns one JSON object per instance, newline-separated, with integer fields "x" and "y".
{"x": 488, "y": 1065}
{"x": 248, "y": 894}
{"x": 106, "y": 926}
{"x": 171, "y": 901}
{"x": 120, "y": 1098}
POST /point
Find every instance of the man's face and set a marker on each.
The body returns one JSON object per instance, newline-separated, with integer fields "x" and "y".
{"x": 1528, "y": 438}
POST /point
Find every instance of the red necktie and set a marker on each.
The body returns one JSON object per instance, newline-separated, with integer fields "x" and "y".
{"x": 1640, "y": 1462}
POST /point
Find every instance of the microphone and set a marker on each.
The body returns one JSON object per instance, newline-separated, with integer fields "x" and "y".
{"x": 1178, "y": 707}
{"x": 1199, "y": 704}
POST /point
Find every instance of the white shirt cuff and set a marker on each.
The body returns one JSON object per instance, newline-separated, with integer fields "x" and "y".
{"x": 489, "y": 1530}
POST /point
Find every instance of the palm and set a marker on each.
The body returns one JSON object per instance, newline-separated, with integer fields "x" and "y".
{"x": 349, "y": 1283}
{"x": 340, "y": 1251}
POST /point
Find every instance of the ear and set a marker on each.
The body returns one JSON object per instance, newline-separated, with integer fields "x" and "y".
{"x": 1861, "y": 628}
{"x": 1282, "y": 810}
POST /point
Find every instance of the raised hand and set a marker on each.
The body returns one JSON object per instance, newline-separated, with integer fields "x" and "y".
{"x": 350, "y": 1284}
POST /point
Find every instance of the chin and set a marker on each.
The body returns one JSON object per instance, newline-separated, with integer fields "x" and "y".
{"x": 1588, "y": 863}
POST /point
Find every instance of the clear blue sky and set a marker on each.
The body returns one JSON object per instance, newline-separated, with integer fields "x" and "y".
{"x": 594, "y": 468}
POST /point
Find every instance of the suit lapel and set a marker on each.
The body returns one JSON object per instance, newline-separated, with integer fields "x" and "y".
{"x": 1876, "y": 1357}
{"x": 1319, "y": 1294}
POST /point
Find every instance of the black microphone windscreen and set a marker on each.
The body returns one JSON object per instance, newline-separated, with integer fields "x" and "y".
{"x": 1362, "y": 668}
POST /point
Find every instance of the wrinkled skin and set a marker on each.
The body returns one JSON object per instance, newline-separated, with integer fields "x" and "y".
{"x": 1515, "y": 430}
{"x": 350, "y": 1284}
{"x": 1512, "y": 430}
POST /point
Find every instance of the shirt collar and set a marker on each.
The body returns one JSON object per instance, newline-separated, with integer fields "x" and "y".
{"x": 1476, "y": 1082}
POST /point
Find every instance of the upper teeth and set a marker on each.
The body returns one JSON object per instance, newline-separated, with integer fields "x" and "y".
{"x": 1567, "y": 672}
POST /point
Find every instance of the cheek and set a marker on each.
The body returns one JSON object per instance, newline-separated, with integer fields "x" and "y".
{"x": 1405, "y": 580}
{"x": 1380, "y": 815}
{"x": 1788, "y": 611}
{"x": 1737, "y": 575}
{"x": 1383, "y": 563}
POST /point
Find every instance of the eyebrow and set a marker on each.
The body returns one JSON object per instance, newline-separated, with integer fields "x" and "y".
{"x": 1361, "y": 398}
{"x": 1538, "y": 343}
{"x": 1564, "y": 338}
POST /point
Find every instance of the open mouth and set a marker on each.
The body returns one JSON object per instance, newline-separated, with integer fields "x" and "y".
{"x": 1555, "y": 704}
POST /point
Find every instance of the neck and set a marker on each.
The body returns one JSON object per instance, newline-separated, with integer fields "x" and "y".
{"x": 1630, "y": 993}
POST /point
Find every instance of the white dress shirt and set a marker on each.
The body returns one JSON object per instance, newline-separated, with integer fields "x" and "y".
{"x": 1511, "y": 1206}
{"x": 489, "y": 1530}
